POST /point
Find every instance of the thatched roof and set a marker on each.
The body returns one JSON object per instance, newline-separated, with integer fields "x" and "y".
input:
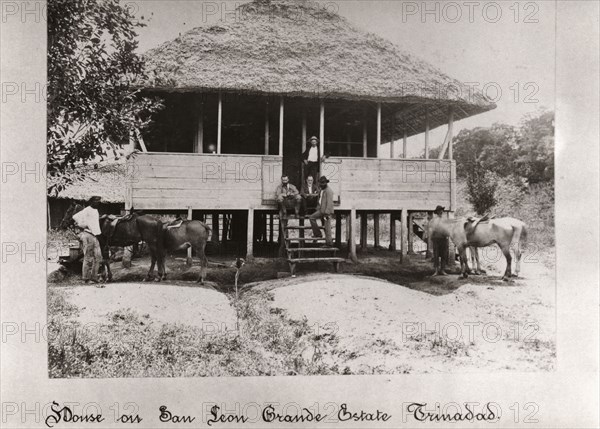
{"x": 108, "y": 181}
{"x": 297, "y": 48}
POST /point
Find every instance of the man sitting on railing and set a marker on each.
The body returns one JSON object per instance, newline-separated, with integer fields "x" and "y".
{"x": 310, "y": 195}
{"x": 287, "y": 197}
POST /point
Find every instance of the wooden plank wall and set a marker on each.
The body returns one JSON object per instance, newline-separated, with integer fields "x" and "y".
{"x": 391, "y": 184}
{"x": 165, "y": 181}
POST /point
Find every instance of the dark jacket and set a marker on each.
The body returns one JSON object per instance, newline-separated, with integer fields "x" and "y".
{"x": 326, "y": 206}
{"x": 316, "y": 189}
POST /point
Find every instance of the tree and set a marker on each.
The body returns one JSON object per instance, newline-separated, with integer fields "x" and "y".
{"x": 92, "y": 63}
{"x": 481, "y": 189}
{"x": 535, "y": 158}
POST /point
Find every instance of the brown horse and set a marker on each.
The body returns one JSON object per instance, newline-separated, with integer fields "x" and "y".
{"x": 185, "y": 234}
{"x": 472, "y": 232}
{"x": 130, "y": 230}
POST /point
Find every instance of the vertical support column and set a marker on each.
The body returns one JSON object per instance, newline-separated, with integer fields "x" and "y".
{"x": 411, "y": 236}
{"x": 427, "y": 133}
{"x": 351, "y": 236}
{"x": 338, "y": 229}
{"x": 403, "y": 233}
{"x": 219, "y": 122}
{"x": 451, "y": 247}
{"x": 429, "y": 252}
{"x": 363, "y": 231}
{"x": 376, "y": 230}
{"x": 271, "y": 216}
{"x": 189, "y": 261}
{"x": 322, "y": 128}
{"x": 250, "y": 237}
{"x": 404, "y": 146}
{"x": 215, "y": 228}
{"x": 199, "y": 140}
{"x": 267, "y": 128}
{"x": 281, "y": 127}
{"x": 392, "y": 231}
{"x": 450, "y": 132}
{"x": 378, "y": 128}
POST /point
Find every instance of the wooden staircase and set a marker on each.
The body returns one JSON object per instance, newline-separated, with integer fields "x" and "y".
{"x": 300, "y": 249}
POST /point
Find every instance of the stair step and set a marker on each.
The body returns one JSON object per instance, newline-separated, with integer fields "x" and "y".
{"x": 313, "y": 249}
{"x": 303, "y": 227}
{"x": 301, "y": 260}
{"x": 320, "y": 240}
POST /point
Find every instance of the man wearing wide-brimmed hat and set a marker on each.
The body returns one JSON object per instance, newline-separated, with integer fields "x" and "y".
{"x": 440, "y": 245}
{"x": 89, "y": 220}
{"x": 311, "y": 158}
{"x": 324, "y": 211}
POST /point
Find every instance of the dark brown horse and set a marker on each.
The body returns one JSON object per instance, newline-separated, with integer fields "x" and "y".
{"x": 130, "y": 230}
{"x": 185, "y": 234}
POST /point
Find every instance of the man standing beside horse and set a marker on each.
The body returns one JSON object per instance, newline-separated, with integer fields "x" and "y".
{"x": 440, "y": 243}
{"x": 89, "y": 220}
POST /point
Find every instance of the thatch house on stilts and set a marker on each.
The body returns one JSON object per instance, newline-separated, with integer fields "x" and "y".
{"x": 243, "y": 96}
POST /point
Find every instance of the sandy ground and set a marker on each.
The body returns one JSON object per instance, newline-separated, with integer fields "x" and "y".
{"x": 382, "y": 327}
{"x": 438, "y": 324}
{"x": 162, "y": 303}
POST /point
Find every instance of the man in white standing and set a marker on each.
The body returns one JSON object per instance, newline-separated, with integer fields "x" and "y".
{"x": 89, "y": 220}
{"x": 311, "y": 158}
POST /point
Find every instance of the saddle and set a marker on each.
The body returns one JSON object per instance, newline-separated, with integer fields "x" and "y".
{"x": 472, "y": 223}
{"x": 109, "y": 227}
{"x": 174, "y": 223}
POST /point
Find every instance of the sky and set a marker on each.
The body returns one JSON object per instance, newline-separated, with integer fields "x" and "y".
{"x": 504, "y": 47}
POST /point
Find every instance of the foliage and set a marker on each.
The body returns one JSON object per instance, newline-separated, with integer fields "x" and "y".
{"x": 526, "y": 151}
{"x": 92, "y": 106}
{"x": 481, "y": 188}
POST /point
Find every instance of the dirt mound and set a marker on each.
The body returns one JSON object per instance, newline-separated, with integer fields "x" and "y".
{"x": 162, "y": 303}
{"x": 382, "y": 327}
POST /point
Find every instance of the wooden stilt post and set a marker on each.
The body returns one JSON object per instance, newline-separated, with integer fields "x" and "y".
{"x": 403, "y": 233}
{"x": 392, "y": 231}
{"x": 215, "y": 228}
{"x": 225, "y": 227}
{"x": 429, "y": 252}
{"x": 189, "y": 261}
{"x": 376, "y": 230}
{"x": 250, "y": 239}
{"x": 219, "y": 122}
{"x": 363, "y": 231}
{"x": 127, "y": 255}
{"x": 338, "y": 229}
{"x": 411, "y": 236}
{"x": 271, "y": 216}
{"x": 352, "y": 240}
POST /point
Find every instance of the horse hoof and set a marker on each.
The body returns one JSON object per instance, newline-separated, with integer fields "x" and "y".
{"x": 505, "y": 279}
